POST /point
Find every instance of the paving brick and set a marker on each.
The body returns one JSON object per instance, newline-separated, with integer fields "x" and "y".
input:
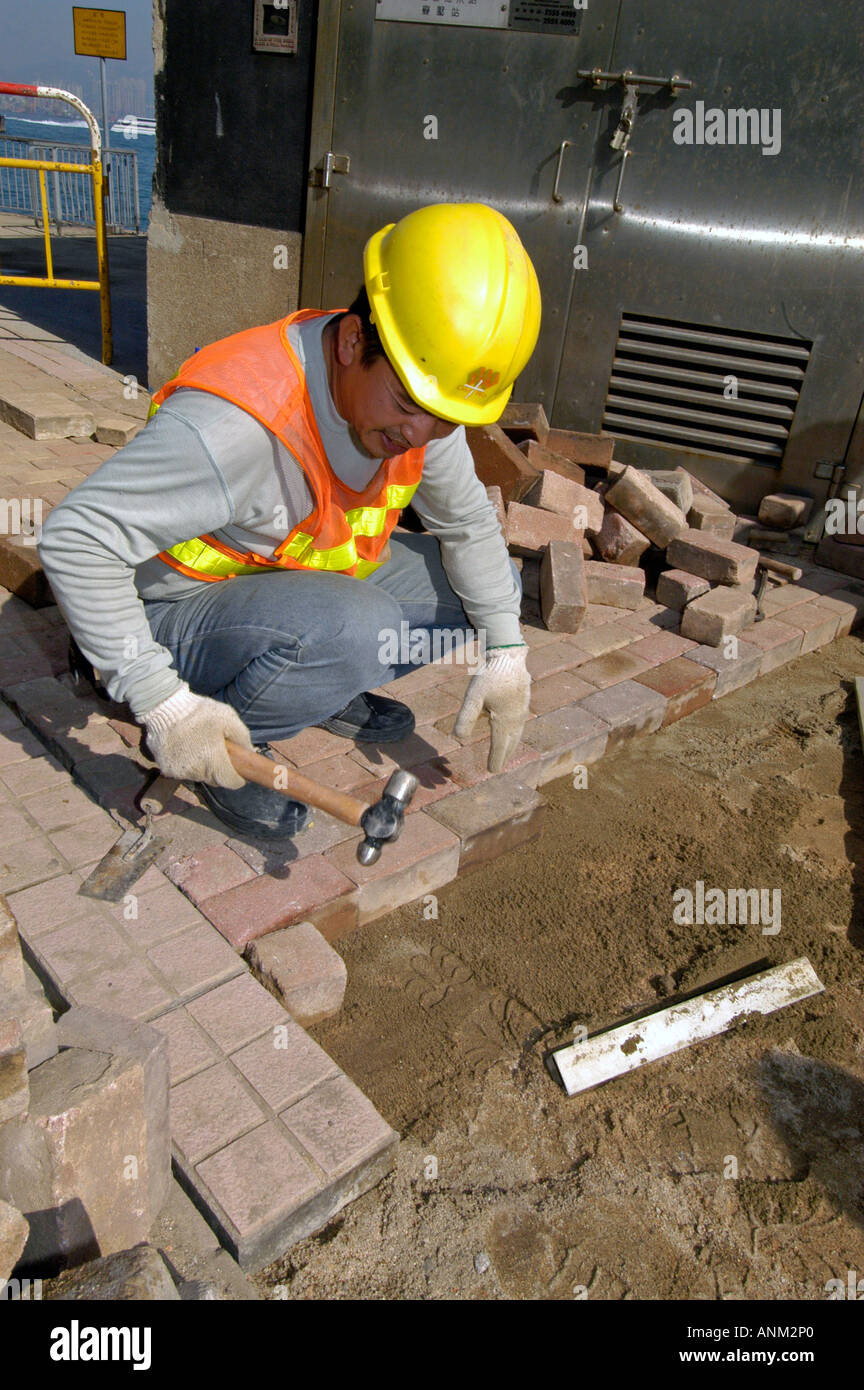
{"x": 783, "y": 510}
{"x": 618, "y": 542}
{"x": 152, "y": 917}
{"x": 13, "y": 826}
{"x": 492, "y": 818}
{"x": 302, "y": 971}
{"x": 28, "y": 862}
{"x": 48, "y": 905}
{"x": 615, "y": 666}
{"x": 685, "y": 686}
{"x": 61, "y": 806}
{"x": 675, "y": 588}
{"x": 18, "y": 746}
{"x": 432, "y": 782}
{"x": 235, "y": 1013}
{"x": 598, "y": 641}
{"x": 818, "y": 625}
{"x": 720, "y": 613}
{"x": 554, "y": 691}
{"x": 195, "y": 960}
{"x": 130, "y": 989}
{"x": 706, "y": 514}
{"x": 660, "y": 647}
{"x": 88, "y": 841}
{"x": 337, "y": 1125}
{"x": 310, "y": 746}
{"x": 320, "y": 832}
{"x": 621, "y": 586}
{"x": 674, "y": 483}
{"x": 521, "y": 421}
{"x": 553, "y": 461}
{"x": 568, "y": 738}
{"x": 645, "y": 507}
{"x": 312, "y": 889}
{"x": 426, "y": 743}
{"x": 498, "y": 462}
{"x": 775, "y": 600}
{"x": 563, "y": 597}
{"x": 496, "y": 497}
{"x": 285, "y": 1064}
{"x": 211, "y": 1109}
{"x": 210, "y": 871}
{"x": 423, "y": 859}
{"x": 555, "y": 657}
{"x": 530, "y": 530}
{"x": 262, "y": 1196}
{"x": 599, "y": 614}
{"x": 87, "y": 944}
{"x": 428, "y": 706}
{"x": 778, "y": 642}
{"x": 554, "y": 493}
{"x": 189, "y": 1048}
{"x": 848, "y": 606}
{"x": 732, "y": 671}
{"x": 591, "y": 450}
{"x": 711, "y": 557}
{"x": 469, "y": 766}
{"x": 628, "y": 708}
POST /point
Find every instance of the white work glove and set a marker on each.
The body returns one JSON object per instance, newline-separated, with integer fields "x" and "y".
{"x": 503, "y": 688}
{"x": 187, "y": 734}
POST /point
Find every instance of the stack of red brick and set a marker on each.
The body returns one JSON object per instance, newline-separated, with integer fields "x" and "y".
{"x": 581, "y": 523}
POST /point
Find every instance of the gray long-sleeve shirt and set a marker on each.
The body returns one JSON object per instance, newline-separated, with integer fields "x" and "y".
{"x": 203, "y": 465}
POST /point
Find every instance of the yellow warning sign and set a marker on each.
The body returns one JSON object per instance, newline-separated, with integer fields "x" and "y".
{"x": 99, "y": 33}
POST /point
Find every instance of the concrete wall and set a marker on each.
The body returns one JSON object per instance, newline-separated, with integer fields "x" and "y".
{"x": 229, "y": 187}
{"x": 208, "y": 278}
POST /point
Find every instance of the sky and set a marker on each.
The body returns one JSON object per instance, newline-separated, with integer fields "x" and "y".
{"x": 36, "y": 42}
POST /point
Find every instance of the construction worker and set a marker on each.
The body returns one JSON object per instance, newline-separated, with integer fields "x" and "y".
{"x": 287, "y": 453}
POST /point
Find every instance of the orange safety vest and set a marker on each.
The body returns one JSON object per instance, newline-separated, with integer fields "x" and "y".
{"x": 346, "y": 532}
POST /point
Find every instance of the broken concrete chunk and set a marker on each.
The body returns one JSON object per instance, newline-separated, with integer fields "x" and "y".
{"x": 138, "y": 1275}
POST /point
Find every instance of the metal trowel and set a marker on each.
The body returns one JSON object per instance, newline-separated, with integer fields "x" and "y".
{"x": 134, "y": 852}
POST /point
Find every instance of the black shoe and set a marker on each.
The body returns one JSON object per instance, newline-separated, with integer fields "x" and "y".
{"x": 372, "y": 719}
{"x": 253, "y": 810}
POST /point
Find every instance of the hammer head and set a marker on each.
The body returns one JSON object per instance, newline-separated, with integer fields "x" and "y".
{"x": 383, "y": 820}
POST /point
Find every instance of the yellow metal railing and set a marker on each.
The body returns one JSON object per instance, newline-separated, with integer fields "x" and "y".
{"x": 96, "y": 172}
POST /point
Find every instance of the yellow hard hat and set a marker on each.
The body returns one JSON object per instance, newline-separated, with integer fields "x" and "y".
{"x": 456, "y": 303}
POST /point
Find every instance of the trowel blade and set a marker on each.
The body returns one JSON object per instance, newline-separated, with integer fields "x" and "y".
{"x": 121, "y": 867}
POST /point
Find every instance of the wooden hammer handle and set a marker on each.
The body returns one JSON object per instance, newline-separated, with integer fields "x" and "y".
{"x": 279, "y": 778}
{"x": 779, "y": 570}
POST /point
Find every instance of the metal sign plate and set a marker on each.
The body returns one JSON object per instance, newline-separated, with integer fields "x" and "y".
{"x": 476, "y": 14}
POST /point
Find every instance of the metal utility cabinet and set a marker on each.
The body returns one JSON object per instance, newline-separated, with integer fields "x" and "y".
{"x": 701, "y": 273}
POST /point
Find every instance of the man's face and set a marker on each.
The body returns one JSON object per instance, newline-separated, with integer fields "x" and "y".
{"x": 384, "y": 418}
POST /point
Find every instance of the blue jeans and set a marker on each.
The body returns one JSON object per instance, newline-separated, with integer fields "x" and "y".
{"x": 289, "y": 649}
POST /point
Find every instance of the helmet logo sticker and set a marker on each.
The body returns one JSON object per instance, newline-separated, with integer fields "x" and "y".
{"x": 479, "y": 380}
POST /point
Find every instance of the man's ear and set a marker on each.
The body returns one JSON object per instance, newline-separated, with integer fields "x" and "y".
{"x": 349, "y": 340}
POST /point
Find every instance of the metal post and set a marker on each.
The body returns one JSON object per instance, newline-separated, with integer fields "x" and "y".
{"x": 102, "y": 257}
{"x": 106, "y": 162}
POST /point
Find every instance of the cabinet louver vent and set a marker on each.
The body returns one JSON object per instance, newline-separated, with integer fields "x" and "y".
{"x": 668, "y": 381}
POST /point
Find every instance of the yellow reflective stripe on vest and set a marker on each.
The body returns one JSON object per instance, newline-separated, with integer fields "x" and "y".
{"x": 198, "y": 555}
